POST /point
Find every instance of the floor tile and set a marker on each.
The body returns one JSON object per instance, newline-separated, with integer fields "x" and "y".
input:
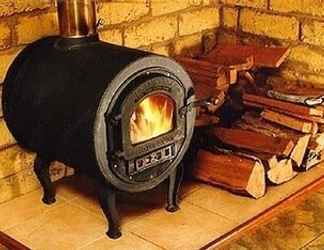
{"x": 293, "y": 229}
{"x": 189, "y": 228}
{"x": 286, "y": 232}
{"x": 128, "y": 241}
{"x": 240, "y": 208}
{"x": 64, "y": 227}
{"x": 317, "y": 244}
{"x": 19, "y": 210}
{"x": 135, "y": 205}
{"x": 233, "y": 246}
{"x": 311, "y": 212}
{"x": 70, "y": 187}
{"x": 129, "y": 206}
{"x": 280, "y": 234}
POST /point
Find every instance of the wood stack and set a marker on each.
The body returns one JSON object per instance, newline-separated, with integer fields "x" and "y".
{"x": 212, "y": 80}
{"x": 295, "y": 121}
{"x": 280, "y": 133}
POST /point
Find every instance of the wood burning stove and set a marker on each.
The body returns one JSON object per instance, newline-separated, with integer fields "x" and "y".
{"x": 119, "y": 115}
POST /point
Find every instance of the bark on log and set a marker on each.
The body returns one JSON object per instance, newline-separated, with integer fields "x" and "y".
{"x": 253, "y": 122}
{"x": 237, "y": 174}
{"x": 204, "y": 120}
{"x": 301, "y": 99}
{"x": 253, "y": 141}
{"x": 290, "y": 122}
{"x": 263, "y": 57}
{"x": 285, "y": 106}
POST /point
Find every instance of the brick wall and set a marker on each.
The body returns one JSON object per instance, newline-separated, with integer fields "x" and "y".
{"x": 166, "y": 27}
{"x": 295, "y": 23}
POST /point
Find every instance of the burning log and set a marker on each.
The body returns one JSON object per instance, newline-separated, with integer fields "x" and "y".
{"x": 235, "y": 173}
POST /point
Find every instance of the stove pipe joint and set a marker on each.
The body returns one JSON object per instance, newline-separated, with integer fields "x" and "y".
{"x": 77, "y": 18}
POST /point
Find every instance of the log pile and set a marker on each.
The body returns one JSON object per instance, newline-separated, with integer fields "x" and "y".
{"x": 279, "y": 133}
{"x": 290, "y": 119}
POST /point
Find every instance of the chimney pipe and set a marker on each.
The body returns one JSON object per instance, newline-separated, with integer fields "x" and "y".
{"x": 77, "y": 18}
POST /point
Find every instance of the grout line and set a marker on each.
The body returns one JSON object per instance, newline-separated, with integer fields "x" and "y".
{"x": 88, "y": 211}
{"x": 153, "y": 243}
{"x": 311, "y": 241}
{"x": 91, "y": 242}
{"x": 42, "y": 213}
{"x": 213, "y": 212}
{"x": 265, "y": 215}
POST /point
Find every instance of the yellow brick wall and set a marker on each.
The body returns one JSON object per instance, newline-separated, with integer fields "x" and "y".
{"x": 166, "y": 27}
{"x": 295, "y": 23}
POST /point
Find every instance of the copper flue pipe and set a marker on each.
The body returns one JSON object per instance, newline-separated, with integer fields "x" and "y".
{"x": 77, "y": 18}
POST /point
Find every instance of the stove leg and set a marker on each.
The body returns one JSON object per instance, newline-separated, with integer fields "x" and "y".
{"x": 41, "y": 168}
{"x": 175, "y": 180}
{"x": 107, "y": 200}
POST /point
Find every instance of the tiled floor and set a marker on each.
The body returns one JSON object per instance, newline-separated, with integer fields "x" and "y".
{"x": 299, "y": 227}
{"x": 76, "y": 221}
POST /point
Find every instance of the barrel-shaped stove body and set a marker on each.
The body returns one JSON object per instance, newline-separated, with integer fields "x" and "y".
{"x": 59, "y": 98}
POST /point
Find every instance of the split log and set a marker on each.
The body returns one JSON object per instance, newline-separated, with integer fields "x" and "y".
{"x": 204, "y": 120}
{"x": 273, "y": 151}
{"x": 219, "y": 83}
{"x": 285, "y": 106}
{"x": 231, "y": 61}
{"x": 315, "y": 154}
{"x": 282, "y": 172}
{"x": 290, "y": 122}
{"x": 293, "y": 88}
{"x": 253, "y": 122}
{"x": 237, "y": 174}
{"x": 301, "y": 99}
{"x": 263, "y": 57}
{"x": 277, "y": 171}
{"x": 198, "y": 70}
{"x": 309, "y": 118}
{"x": 208, "y": 68}
{"x": 253, "y": 141}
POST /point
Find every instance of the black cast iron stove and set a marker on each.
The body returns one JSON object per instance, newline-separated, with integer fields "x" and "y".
{"x": 119, "y": 115}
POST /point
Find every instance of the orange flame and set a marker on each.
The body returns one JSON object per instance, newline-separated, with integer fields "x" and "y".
{"x": 152, "y": 117}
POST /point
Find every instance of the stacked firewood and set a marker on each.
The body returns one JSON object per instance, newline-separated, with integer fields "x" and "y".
{"x": 279, "y": 133}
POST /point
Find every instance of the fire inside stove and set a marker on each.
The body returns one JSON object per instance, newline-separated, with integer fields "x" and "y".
{"x": 152, "y": 117}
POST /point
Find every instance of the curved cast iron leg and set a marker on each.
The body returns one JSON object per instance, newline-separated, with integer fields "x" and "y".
{"x": 175, "y": 180}
{"x": 107, "y": 200}
{"x": 41, "y": 168}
